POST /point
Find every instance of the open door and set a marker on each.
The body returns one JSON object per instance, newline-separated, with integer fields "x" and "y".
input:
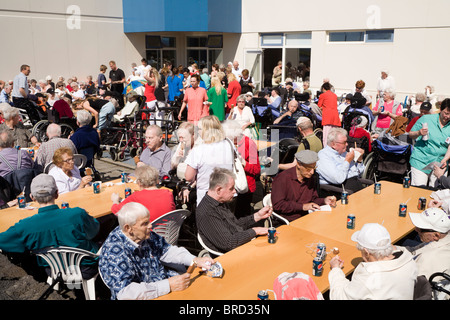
{"x": 253, "y": 62}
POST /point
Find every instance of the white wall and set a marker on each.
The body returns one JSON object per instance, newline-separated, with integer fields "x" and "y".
{"x": 53, "y": 43}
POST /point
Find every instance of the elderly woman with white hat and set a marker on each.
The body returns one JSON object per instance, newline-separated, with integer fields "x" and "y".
{"x": 386, "y": 273}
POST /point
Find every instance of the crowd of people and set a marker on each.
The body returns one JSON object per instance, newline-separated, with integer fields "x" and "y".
{"x": 216, "y": 125}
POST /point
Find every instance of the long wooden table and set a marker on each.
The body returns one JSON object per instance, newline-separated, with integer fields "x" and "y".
{"x": 97, "y": 205}
{"x": 255, "y": 265}
{"x": 367, "y": 208}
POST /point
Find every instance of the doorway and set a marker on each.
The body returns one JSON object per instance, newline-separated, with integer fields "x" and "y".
{"x": 271, "y": 58}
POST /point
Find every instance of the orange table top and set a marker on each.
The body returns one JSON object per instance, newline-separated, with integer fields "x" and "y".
{"x": 255, "y": 265}
{"x": 368, "y": 208}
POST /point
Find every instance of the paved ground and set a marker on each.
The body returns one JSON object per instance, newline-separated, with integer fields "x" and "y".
{"x": 17, "y": 282}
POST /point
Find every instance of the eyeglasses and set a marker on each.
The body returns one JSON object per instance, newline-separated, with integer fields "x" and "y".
{"x": 69, "y": 160}
{"x": 341, "y": 142}
{"x": 241, "y": 101}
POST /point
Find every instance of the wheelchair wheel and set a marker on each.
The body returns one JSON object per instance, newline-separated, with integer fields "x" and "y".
{"x": 66, "y": 130}
{"x": 113, "y": 154}
{"x": 40, "y": 129}
{"x": 370, "y": 167}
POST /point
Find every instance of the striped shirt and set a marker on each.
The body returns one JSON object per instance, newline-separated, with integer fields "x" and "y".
{"x": 219, "y": 228}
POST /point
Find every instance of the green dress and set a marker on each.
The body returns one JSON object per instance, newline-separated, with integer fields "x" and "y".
{"x": 217, "y": 107}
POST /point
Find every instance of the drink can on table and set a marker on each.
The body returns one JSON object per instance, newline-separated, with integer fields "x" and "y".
{"x": 344, "y": 198}
{"x": 321, "y": 251}
{"x": 127, "y": 192}
{"x": 351, "y": 221}
{"x": 422, "y": 204}
{"x": 406, "y": 182}
{"x": 271, "y": 235}
{"x": 64, "y": 205}
{"x": 377, "y": 188}
{"x": 96, "y": 186}
{"x": 402, "y": 210}
{"x": 317, "y": 267}
{"x": 31, "y": 152}
{"x": 263, "y": 295}
{"x": 124, "y": 177}
{"x": 22, "y": 201}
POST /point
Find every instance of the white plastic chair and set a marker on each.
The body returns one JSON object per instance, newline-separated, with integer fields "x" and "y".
{"x": 267, "y": 201}
{"x": 202, "y": 253}
{"x": 64, "y": 264}
{"x": 80, "y": 160}
{"x": 169, "y": 224}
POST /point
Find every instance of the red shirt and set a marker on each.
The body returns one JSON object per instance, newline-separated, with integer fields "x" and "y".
{"x": 249, "y": 151}
{"x": 328, "y": 104}
{"x": 157, "y": 201}
{"x": 234, "y": 88}
{"x": 149, "y": 93}
{"x": 63, "y": 108}
{"x": 412, "y": 123}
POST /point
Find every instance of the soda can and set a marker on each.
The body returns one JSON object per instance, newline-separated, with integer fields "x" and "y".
{"x": 344, "y": 198}
{"x": 22, "y": 201}
{"x": 351, "y": 221}
{"x": 64, "y": 205}
{"x": 271, "y": 235}
{"x": 377, "y": 188}
{"x": 402, "y": 210}
{"x": 124, "y": 177}
{"x": 17, "y": 147}
{"x": 263, "y": 295}
{"x": 317, "y": 267}
{"x": 422, "y": 204}
{"x": 406, "y": 182}
{"x": 127, "y": 192}
{"x": 321, "y": 251}
{"x": 96, "y": 186}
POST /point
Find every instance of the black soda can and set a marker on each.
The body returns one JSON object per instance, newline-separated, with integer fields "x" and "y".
{"x": 422, "y": 203}
{"x": 402, "y": 210}
{"x": 406, "y": 182}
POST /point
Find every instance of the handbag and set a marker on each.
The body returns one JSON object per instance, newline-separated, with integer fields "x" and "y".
{"x": 240, "y": 181}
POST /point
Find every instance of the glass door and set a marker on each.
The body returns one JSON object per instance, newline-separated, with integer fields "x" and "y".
{"x": 253, "y": 62}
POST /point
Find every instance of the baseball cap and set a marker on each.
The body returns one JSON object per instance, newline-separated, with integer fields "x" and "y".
{"x": 372, "y": 236}
{"x": 43, "y": 184}
{"x": 432, "y": 218}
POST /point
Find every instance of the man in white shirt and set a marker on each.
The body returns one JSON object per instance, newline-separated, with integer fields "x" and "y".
{"x": 236, "y": 70}
{"x": 386, "y": 273}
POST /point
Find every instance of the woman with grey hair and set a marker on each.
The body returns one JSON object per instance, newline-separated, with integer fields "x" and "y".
{"x": 157, "y": 201}
{"x": 386, "y": 273}
{"x": 243, "y": 115}
{"x": 386, "y": 110}
{"x": 248, "y": 152}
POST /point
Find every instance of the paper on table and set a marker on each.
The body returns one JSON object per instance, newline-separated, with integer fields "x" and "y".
{"x": 325, "y": 207}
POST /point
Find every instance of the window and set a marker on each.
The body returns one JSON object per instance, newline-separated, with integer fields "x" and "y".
{"x": 380, "y": 36}
{"x": 362, "y": 36}
{"x": 215, "y": 41}
{"x": 346, "y": 36}
{"x": 298, "y": 39}
{"x": 272, "y": 40}
{"x": 159, "y": 50}
{"x": 153, "y": 42}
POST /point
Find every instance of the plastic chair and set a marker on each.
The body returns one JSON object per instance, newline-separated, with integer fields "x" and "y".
{"x": 64, "y": 264}
{"x": 267, "y": 201}
{"x": 206, "y": 249}
{"x": 169, "y": 224}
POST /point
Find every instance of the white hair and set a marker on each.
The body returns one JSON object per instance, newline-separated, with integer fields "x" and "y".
{"x": 378, "y": 254}
{"x": 53, "y": 130}
{"x": 84, "y": 117}
{"x": 334, "y": 133}
{"x": 130, "y": 213}
{"x": 232, "y": 129}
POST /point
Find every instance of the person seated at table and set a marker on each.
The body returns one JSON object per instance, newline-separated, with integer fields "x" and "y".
{"x": 85, "y": 137}
{"x": 386, "y": 273}
{"x": 294, "y": 191}
{"x": 66, "y": 175}
{"x": 338, "y": 167}
{"x": 433, "y": 254}
{"x": 22, "y": 135}
{"x": 288, "y": 118}
{"x": 157, "y": 154}
{"x": 132, "y": 258}
{"x": 44, "y": 155}
{"x": 309, "y": 140}
{"x": 217, "y": 225}
{"x": 12, "y": 159}
{"x": 52, "y": 226}
{"x": 157, "y": 201}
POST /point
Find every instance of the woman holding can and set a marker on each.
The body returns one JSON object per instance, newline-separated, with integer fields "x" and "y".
{"x": 66, "y": 175}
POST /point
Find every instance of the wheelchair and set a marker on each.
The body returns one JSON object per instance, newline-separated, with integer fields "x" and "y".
{"x": 125, "y": 132}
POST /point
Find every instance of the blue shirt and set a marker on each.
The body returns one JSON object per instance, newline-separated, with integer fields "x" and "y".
{"x": 123, "y": 262}
{"x": 52, "y": 226}
{"x": 333, "y": 169}
{"x": 426, "y": 152}
{"x": 175, "y": 84}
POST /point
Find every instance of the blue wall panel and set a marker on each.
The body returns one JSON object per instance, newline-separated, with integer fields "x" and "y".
{"x": 179, "y": 15}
